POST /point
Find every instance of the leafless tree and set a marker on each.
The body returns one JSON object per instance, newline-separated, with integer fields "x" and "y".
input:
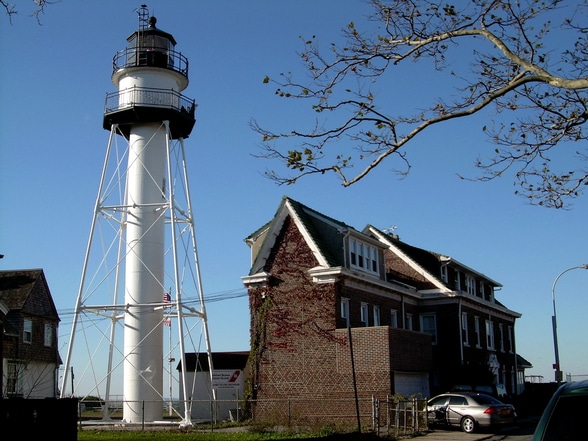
{"x": 11, "y": 9}
{"x": 533, "y": 80}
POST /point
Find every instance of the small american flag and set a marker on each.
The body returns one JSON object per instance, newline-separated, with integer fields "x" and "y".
{"x": 167, "y": 299}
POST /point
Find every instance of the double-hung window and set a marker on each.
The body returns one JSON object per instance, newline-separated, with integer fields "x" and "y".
{"x": 27, "y": 333}
{"x": 429, "y": 325}
{"x": 470, "y": 284}
{"x": 501, "y": 336}
{"x": 363, "y": 256}
{"x": 364, "y": 314}
{"x": 48, "y": 335}
{"x": 464, "y": 329}
{"x": 489, "y": 334}
{"x": 394, "y": 318}
{"x": 14, "y": 373}
{"x": 408, "y": 324}
{"x": 376, "y": 315}
{"x": 345, "y": 311}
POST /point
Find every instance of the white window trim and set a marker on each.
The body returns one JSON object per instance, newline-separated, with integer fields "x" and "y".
{"x": 489, "y": 334}
{"x": 345, "y": 310}
{"x": 444, "y": 276}
{"x": 377, "y": 316}
{"x": 365, "y": 320}
{"x": 363, "y": 256}
{"x": 470, "y": 283}
{"x": 477, "y": 331}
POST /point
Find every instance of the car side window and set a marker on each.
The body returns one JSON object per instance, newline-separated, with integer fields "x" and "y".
{"x": 564, "y": 424}
{"x": 457, "y": 401}
{"x": 439, "y": 401}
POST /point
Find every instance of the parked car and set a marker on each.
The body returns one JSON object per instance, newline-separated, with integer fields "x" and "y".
{"x": 563, "y": 418}
{"x": 469, "y": 411}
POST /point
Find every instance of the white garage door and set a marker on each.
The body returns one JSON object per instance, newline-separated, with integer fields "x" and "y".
{"x": 409, "y": 384}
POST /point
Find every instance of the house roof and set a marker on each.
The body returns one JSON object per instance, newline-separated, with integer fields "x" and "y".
{"x": 323, "y": 234}
{"x": 419, "y": 268}
{"x": 424, "y": 262}
{"x": 522, "y": 363}
{"x": 17, "y": 286}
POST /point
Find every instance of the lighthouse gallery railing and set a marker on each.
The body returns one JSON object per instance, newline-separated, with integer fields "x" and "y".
{"x": 148, "y": 97}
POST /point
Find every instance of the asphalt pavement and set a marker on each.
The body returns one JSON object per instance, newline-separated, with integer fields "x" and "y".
{"x": 522, "y": 430}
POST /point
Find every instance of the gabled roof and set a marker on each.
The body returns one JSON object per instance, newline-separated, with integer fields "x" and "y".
{"x": 416, "y": 267}
{"x": 323, "y": 234}
{"x": 17, "y": 286}
{"x": 424, "y": 262}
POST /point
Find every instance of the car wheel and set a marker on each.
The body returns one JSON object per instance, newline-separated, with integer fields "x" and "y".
{"x": 468, "y": 424}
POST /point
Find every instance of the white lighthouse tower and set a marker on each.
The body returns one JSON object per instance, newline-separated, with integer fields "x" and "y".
{"x": 144, "y": 265}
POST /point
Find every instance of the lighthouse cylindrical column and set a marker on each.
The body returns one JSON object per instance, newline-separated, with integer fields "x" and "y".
{"x": 144, "y": 273}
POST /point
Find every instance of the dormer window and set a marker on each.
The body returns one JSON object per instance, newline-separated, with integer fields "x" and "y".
{"x": 444, "y": 276}
{"x": 470, "y": 284}
{"x": 363, "y": 256}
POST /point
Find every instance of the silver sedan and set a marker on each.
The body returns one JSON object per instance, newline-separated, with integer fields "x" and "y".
{"x": 469, "y": 411}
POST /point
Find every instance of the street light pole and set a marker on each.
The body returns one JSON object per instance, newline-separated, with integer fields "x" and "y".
{"x": 558, "y": 372}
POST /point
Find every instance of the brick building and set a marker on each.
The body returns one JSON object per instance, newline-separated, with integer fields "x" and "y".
{"x": 337, "y": 313}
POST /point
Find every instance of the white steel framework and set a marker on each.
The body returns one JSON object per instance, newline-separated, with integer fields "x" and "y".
{"x": 96, "y": 341}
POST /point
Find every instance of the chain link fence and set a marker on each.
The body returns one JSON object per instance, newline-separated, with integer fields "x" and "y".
{"x": 390, "y": 415}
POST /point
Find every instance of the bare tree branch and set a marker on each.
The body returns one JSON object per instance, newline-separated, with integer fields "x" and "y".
{"x": 11, "y": 11}
{"x": 513, "y": 66}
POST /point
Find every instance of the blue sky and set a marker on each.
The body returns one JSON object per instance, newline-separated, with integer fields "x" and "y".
{"x": 52, "y": 145}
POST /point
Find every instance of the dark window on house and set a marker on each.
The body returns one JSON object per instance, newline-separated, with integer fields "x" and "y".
{"x": 490, "y": 334}
{"x": 14, "y": 374}
{"x": 408, "y": 324}
{"x": 470, "y": 283}
{"x": 394, "y": 318}
{"x": 48, "y": 337}
{"x": 345, "y": 311}
{"x": 364, "y": 314}
{"x": 429, "y": 325}
{"x": 464, "y": 329}
{"x": 27, "y": 333}
{"x": 501, "y": 336}
{"x": 377, "y": 319}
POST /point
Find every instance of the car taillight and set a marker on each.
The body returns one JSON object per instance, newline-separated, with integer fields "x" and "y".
{"x": 491, "y": 411}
